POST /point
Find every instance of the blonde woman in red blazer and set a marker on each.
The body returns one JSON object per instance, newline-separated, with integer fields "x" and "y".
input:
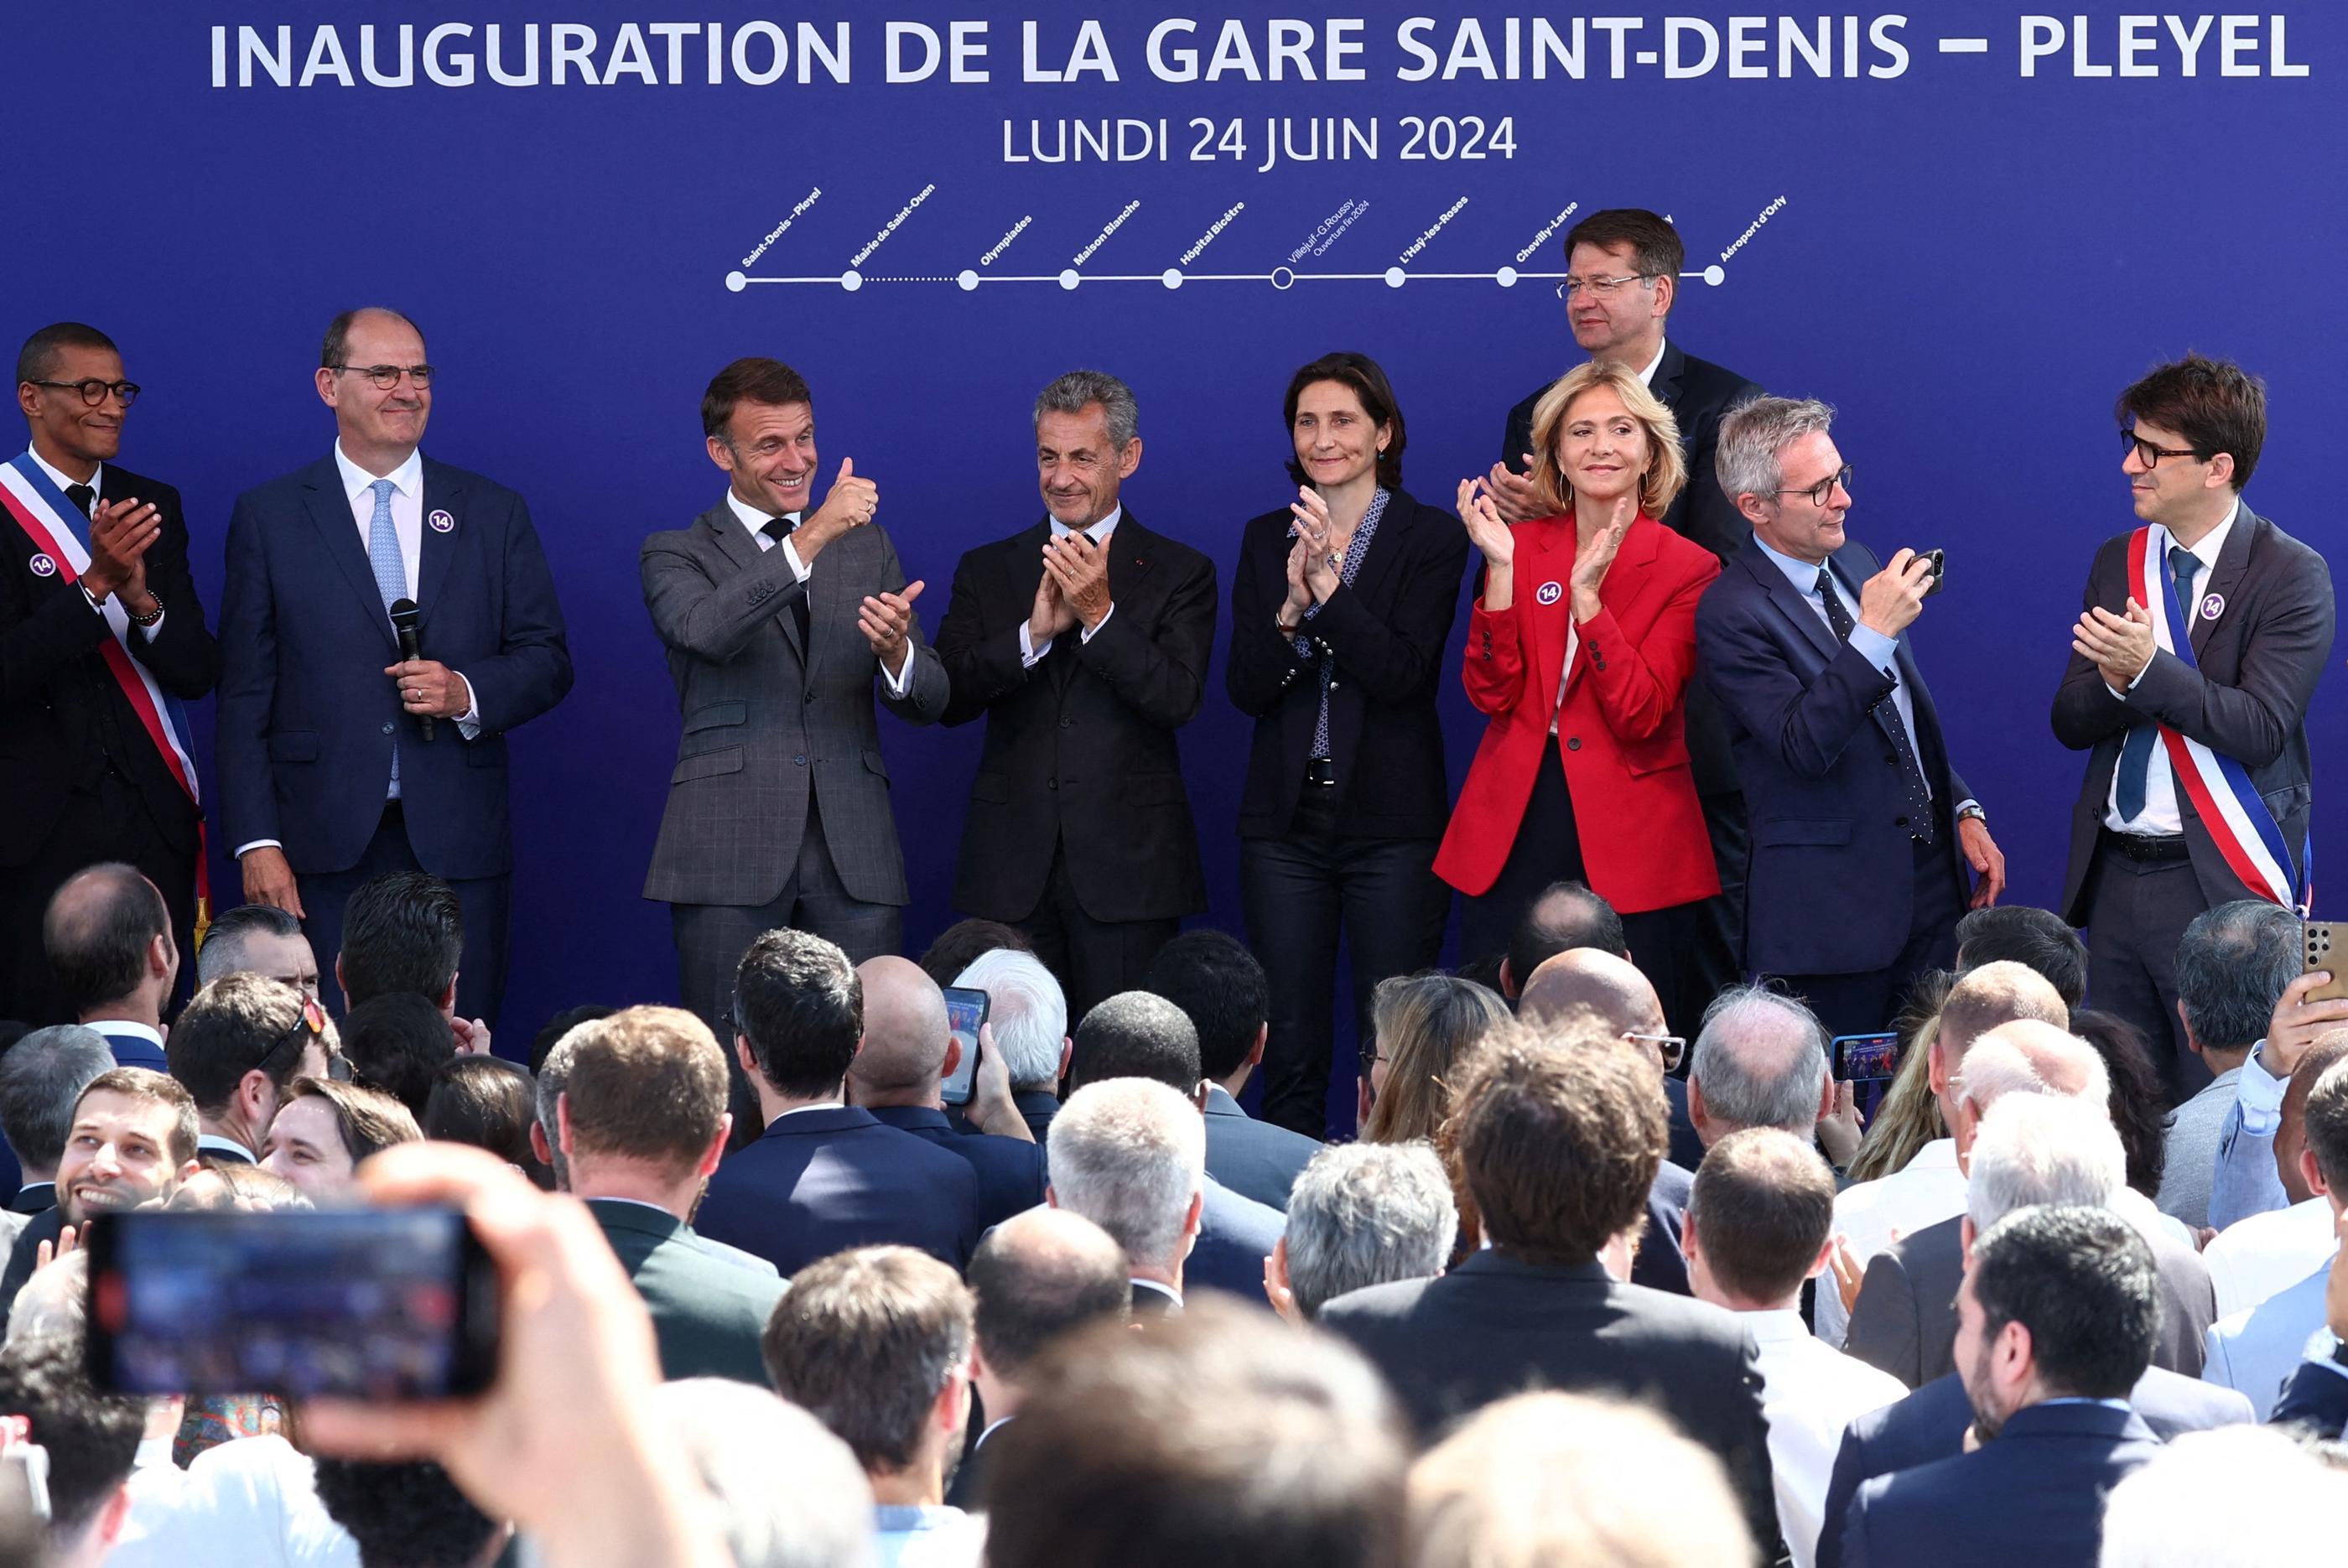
{"x": 1594, "y": 788}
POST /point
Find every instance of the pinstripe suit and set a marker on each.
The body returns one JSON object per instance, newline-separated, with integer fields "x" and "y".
{"x": 779, "y": 807}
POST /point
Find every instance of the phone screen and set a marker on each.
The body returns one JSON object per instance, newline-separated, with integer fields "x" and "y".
{"x": 965, "y": 1011}
{"x": 1868, "y": 1063}
{"x": 371, "y": 1303}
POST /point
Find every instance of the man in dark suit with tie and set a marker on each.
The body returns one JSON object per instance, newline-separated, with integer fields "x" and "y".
{"x": 638, "y": 1115}
{"x": 339, "y": 760}
{"x": 1083, "y": 643}
{"x": 779, "y": 617}
{"x": 2150, "y": 847}
{"x": 2058, "y": 1312}
{"x": 1560, "y": 1132}
{"x": 108, "y": 939}
{"x": 824, "y": 1176}
{"x": 1218, "y": 983}
{"x": 95, "y": 658}
{"x": 1623, "y": 269}
{"x": 41, "y": 1078}
{"x": 1862, "y": 829}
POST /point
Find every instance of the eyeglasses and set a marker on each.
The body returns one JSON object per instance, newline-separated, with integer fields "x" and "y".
{"x": 1823, "y": 491}
{"x": 95, "y": 392}
{"x": 1671, "y": 1046}
{"x": 1604, "y": 288}
{"x": 2146, "y": 453}
{"x": 387, "y": 375}
{"x": 310, "y": 1025}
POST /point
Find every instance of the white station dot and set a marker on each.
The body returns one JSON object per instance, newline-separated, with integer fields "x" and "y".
{"x": 1506, "y": 277}
{"x": 967, "y": 279}
{"x": 1070, "y": 278}
{"x": 1394, "y": 277}
{"x": 851, "y": 280}
{"x": 1714, "y": 275}
{"x": 737, "y": 282}
{"x": 1172, "y": 278}
{"x": 1282, "y": 277}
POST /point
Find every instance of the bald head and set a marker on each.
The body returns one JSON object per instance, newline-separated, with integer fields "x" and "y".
{"x": 1038, "y": 1276}
{"x": 108, "y": 937}
{"x": 1610, "y": 989}
{"x": 1995, "y": 994}
{"x": 905, "y": 1030}
{"x": 2028, "y": 1057}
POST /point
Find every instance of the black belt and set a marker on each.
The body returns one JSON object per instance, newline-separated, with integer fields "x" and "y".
{"x": 1321, "y": 770}
{"x": 2147, "y": 848}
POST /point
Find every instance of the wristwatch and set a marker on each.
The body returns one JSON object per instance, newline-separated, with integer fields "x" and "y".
{"x": 1972, "y": 809}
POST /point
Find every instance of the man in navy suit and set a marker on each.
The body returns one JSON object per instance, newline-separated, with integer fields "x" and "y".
{"x": 106, "y": 934}
{"x": 1862, "y": 829}
{"x": 2056, "y": 1321}
{"x": 339, "y": 761}
{"x": 826, "y": 1176}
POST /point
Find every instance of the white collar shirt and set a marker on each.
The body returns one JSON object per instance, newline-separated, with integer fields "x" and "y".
{"x": 1928, "y": 1190}
{"x": 2160, "y": 816}
{"x": 1809, "y": 1393}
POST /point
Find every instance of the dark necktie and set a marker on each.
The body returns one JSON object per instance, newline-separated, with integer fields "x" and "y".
{"x": 1887, "y": 714}
{"x": 2135, "y": 752}
{"x": 780, "y": 529}
{"x": 81, "y": 495}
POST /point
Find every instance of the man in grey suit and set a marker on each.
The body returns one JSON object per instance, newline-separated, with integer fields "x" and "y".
{"x": 778, "y": 617}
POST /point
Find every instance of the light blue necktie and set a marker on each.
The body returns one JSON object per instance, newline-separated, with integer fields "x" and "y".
{"x": 390, "y": 575}
{"x": 2135, "y": 752}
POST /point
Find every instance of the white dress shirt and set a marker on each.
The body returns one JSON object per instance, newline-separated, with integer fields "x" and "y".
{"x": 1928, "y": 1190}
{"x": 2160, "y": 815}
{"x": 2266, "y": 1253}
{"x": 252, "y": 1502}
{"x": 1809, "y": 1393}
{"x": 97, "y": 481}
{"x": 1029, "y": 654}
{"x": 753, "y": 520}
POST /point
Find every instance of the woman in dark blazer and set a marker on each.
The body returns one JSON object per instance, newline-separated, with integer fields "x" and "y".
{"x": 1579, "y": 649}
{"x": 1340, "y": 606}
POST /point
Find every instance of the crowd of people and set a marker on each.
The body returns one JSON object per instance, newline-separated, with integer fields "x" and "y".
{"x": 1759, "y": 1187}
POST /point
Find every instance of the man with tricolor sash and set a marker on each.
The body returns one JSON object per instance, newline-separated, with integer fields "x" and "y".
{"x": 101, "y": 640}
{"x": 2192, "y": 667}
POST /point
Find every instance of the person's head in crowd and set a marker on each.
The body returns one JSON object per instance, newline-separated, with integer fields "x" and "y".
{"x": 550, "y": 1033}
{"x": 965, "y": 943}
{"x": 1567, "y": 1481}
{"x": 399, "y": 1042}
{"x": 1559, "y": 1134}
{"x": 634, "y": 1106}
{"x": 401, "y": 933}
{"x": 1221, "y": 1437}
{"x": 2001, "y": 992}
{"x": 41, "y": 1081}
{"x": 1763, "y": 444}
{"x": 2137, "y": 1097}
{"x": 91, "y": 1439}
{"x": 1908, "y": 1115}
{"x": 1760, "y": 1221}
{"x": 1130, "y": 1155}
{"x": 2233, "y": 965}
{"x": 908, "y": 1048}
{"x": 1610, "y": 990}
{"x": 1034, "y": 1279}
{"x": 2231, "y": 1497}
{"x": 407, "y": 1514}
{"x": 2213, "y": 412}
{"x": 799, "y": 1017}
{"x": 107, "y": 935}
{"x": 54, "y": 1302}
{"x": 55, "y": 372}
{"x": 327, "y": 1129}
{"x": 258, "y": 939}
{"x": 1343, "y": 423}
{"x": 1422, "y": 1026}
{"x": 1636, "y": 429}
{"x": 2323, "y": 1151}
{"x": 489, "y": 1104}
{"x": 1219, "y": 985}
{"x": 875, "y": 1342}
{"x": 2300, "y": 1180}
{"x": 2036, "y": 939}
{"x": 2038, "y": 1149}
{"x": 238, "y": 1045}
{"x": 1563, "y": 916}
{"x": 2058, "y": 1303}
{"x": 791, "y": 1494}
{"x": 1361, "y": 1214}
{"x": 1087, "y": 444}
{"x": 1026, "y": 1016}
{"x": 2025, "y": 1056}
{"x": 1627, "y": 261}
{"x": 1135, "y": 1034}
{"x": 375, "y": 426}
{"x": 1760, "y": 1060}
{"x": 132, "y": 1139}
{"x": 234, "y": 1185}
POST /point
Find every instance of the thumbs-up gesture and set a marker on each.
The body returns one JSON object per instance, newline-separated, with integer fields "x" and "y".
{"x": 851, "y": 504}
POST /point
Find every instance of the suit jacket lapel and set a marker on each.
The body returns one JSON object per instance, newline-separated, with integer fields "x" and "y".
{"x": 330, "y": 510}
{"x": 1387, "y": 546}
{"x": 1789, "y": 601}
{"x": 734, "y": 543}
{"x": 1130, "y": 557}
{"x": 2233, "y": 560}
{"x": 1666, "y": 383}
{"x": 443, "y": 491}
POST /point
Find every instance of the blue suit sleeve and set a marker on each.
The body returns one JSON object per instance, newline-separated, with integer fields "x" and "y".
{"x": 531, "y": 671}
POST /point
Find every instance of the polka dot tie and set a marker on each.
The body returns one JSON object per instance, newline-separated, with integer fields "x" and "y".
{"x": 1886, "y": 715}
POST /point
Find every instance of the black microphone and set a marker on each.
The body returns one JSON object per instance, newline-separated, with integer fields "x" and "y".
{"x": 403, "y": 621}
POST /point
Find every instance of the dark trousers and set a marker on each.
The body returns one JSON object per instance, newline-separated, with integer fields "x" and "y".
{"x": 1092, "y": 959}
{"x": 107, "y": 821}
{"x": 1865, "y": 1003}
{"x": 1549, "y": 849}
{"x": 1717, "y": 949}
{"x": 2137, "y": 913}
{"x": 487, "y": 904}
{"x": 1297, "y": 891}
